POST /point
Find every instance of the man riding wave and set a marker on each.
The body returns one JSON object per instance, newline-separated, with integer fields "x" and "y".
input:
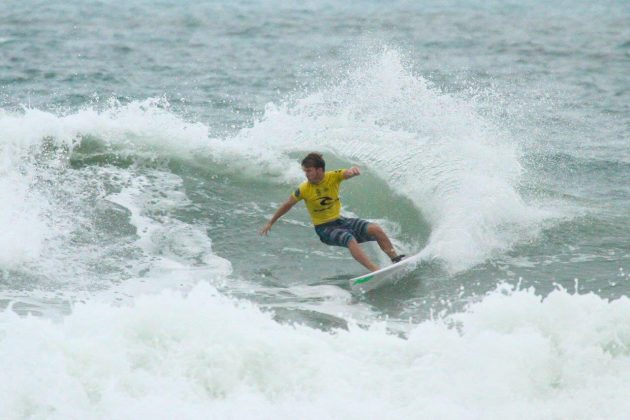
{"x": 320, "y": 193}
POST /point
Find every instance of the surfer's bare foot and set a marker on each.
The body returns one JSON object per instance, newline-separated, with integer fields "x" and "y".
{"x": 398, "y": 258}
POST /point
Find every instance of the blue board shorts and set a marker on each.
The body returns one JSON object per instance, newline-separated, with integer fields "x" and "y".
{"x": 341, "y": 231}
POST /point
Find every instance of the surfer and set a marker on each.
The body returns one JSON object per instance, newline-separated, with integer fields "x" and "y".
{"x": 320, "y": 192}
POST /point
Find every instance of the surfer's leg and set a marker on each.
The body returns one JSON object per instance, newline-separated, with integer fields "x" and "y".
{"x": 359, "y": 255}
{"x": 381, "y": 238}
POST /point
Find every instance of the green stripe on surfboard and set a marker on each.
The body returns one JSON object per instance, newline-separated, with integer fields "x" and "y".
{"x": 363, "y": 280}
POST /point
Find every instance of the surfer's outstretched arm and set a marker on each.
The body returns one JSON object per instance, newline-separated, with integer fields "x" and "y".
{"x": 278, "y": 214}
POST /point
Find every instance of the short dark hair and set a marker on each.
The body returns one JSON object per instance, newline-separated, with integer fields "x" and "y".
{"x": 314, "y": 160}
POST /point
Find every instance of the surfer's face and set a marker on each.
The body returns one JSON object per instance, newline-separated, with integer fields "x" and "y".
{"x": 313, "y": 175}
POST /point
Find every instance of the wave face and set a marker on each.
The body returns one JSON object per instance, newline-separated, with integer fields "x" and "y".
{"x": 460, "y": 171}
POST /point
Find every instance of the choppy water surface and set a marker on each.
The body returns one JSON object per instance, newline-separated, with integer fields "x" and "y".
{"x": 143, "y": 145}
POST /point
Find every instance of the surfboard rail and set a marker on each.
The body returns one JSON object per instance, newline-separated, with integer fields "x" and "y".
{"x": 386, "y": 275}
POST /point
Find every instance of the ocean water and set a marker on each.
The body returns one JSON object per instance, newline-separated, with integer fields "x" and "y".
{"x": 143, "y": 144}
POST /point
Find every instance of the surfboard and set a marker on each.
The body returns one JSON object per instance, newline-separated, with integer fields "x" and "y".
{"x": 387, "y": 275}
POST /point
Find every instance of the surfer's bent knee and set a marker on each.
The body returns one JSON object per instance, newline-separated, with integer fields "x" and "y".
{"x": 374, "y": 229}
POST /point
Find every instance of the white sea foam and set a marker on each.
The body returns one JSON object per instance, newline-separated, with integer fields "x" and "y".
{"x": 167, "y": 240}
{"x": 24, "y": 228}
{"x": 50, "y": 213}
{"x": 22, "y": 209}
{"x": 511, "y": 355}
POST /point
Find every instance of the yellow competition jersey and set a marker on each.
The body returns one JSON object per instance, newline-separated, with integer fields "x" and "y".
{"x": 322, "y": 200}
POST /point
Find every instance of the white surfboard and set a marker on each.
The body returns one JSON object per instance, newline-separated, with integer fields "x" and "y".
{"x": 387, "y": 275}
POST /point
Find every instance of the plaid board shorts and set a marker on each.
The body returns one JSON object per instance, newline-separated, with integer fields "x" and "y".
{"x": 341, "y": 231}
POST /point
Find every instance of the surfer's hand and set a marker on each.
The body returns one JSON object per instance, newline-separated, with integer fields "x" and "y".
{"x": 354, "y": 171}
{"x": 265, "y": 229}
